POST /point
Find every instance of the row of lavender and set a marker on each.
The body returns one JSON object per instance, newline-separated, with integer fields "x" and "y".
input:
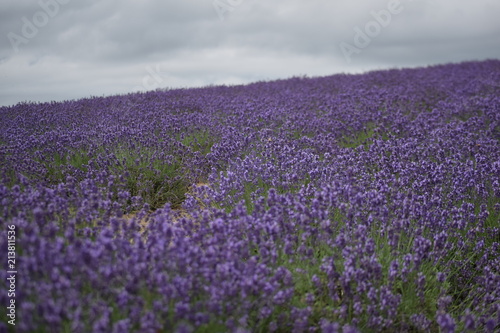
{"x": 338, "y": 204}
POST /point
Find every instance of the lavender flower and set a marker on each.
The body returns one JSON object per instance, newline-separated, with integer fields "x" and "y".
{"x": 334, "y": 204}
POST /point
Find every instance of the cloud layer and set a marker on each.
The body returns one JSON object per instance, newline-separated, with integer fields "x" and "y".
{"x": 66, "y": 49}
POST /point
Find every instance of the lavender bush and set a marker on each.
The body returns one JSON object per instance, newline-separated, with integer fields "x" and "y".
{"x": 348, "y": 203}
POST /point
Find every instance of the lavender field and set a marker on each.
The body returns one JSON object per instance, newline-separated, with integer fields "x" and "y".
{"x": 348, "y": 203}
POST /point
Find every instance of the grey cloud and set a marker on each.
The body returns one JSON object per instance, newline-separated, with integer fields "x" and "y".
{"x": 105, "y": 47}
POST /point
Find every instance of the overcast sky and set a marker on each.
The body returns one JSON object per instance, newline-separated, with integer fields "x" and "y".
{"x": 69, "y": 49}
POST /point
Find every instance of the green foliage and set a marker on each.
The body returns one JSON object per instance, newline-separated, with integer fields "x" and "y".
{"x": 201, "y": 141}
{"x": 359, "y": 138}
{"x": 63, "y": 164}
{"x": 157, "y": 178}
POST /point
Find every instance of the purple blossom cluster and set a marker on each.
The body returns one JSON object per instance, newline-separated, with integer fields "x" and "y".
{"x": 347, "y": 203}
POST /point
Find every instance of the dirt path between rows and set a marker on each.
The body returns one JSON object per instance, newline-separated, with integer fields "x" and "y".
{"x": 179, "y": 213}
